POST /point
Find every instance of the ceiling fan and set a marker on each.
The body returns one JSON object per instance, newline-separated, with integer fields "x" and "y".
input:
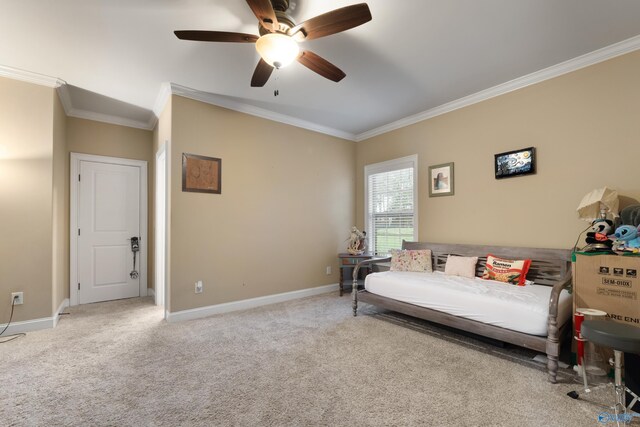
{"x": 279, "y": 37}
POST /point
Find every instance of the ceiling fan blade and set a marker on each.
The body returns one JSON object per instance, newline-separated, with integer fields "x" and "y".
{"x": 321, "y": 66}
{"x": 265, "y": 13}
{"x": 333, "y": 22}
{"x": 215, "y": 36}
{"x": 261, "y": 74}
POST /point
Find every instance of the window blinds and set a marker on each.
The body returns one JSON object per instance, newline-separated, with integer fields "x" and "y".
{"x": 390, "y": 209}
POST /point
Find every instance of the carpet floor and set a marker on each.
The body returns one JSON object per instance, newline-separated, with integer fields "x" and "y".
{"x": 307, "y": 362}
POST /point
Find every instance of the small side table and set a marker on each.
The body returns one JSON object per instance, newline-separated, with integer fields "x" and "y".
{"x": 348, "y": 263}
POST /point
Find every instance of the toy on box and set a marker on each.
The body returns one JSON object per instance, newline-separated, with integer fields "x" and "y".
{"x": 599, "y": 234}
{"x": 626, "y": 239}
{"x": 631, "y": 215}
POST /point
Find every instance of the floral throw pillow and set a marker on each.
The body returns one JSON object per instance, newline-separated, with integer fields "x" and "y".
{"x": 411, "y": 260}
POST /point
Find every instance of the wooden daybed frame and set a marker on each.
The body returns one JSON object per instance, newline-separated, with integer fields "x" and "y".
{"x": 550, "y": 267}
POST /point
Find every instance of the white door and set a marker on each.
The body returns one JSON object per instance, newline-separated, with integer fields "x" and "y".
{"x": 108, "y": 217}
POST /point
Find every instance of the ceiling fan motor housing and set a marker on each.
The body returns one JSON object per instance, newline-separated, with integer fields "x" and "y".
{"x": 280, "y": 5}
{"x": 285, "y": 22}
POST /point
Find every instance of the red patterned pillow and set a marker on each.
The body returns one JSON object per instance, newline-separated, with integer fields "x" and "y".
{"x": 509, "y": 271}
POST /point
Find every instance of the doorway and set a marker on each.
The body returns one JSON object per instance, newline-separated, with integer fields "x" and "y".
{"x": 108, "y": 228}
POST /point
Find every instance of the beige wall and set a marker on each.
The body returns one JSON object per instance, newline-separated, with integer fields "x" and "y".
{"x": 104, "y": 139}
{"x": 286, "y": 207}
{"x": 289, "y": 195}
{"x": 35, "y": 140}
{"x": 584, "y": 126}
{"x": 26, "y": 248}
{"x": 60, "y": 210}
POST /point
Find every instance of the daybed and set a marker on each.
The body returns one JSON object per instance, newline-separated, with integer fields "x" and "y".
{"x": 534, "y": 316}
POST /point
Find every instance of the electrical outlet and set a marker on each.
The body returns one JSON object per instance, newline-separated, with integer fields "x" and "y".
{"x": 199, "y": 287}
{"x": 328, "y": 270}
{"x": 17, "y": 298}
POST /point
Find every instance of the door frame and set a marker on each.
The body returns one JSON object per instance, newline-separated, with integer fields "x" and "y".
{"x": 74, "y": 190}
{"x": 161, "y": 264}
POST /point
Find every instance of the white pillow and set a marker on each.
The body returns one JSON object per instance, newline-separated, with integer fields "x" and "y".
{"x": 464, "y": 266}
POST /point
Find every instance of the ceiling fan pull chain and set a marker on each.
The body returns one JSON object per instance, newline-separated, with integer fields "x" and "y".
{"x": 276, "y": 92}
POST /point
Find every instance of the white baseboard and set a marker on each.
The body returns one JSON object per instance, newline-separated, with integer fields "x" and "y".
{"x": 27, "y": 326}
{"x": 35, "y": 324}
{"x": 197, "y": 313}
{"x": 56, "y": 317}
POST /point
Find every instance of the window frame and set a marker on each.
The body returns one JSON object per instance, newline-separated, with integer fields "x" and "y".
{"x": 390, "y": 166}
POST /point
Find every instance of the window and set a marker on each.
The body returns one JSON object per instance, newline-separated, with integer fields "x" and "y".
{"x": 391, "y": 208}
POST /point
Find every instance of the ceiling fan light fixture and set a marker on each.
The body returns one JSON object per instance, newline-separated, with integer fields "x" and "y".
{"x": 277, "y": 50}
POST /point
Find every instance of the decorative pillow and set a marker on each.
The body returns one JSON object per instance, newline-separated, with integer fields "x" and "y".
{"x": 464, "y": 266}
{"x": 509, "y": 271}
{"x": 411, "y": 260}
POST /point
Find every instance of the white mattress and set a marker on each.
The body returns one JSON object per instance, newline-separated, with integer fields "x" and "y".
{"x": 519, "y": 308}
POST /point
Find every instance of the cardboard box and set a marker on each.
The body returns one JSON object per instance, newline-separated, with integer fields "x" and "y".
{"x": 610, "y": 283}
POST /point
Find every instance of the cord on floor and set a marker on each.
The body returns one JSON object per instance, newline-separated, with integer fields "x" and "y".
{"x": 13, "y": 336}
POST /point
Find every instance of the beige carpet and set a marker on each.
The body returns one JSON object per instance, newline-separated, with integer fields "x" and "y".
{"x": 301, "y": 363}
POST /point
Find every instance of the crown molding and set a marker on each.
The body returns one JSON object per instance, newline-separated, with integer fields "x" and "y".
{"x": 30, "y": 77}
{"x": 65, "y": 98}
{"x": 71, "y": 111}
{"x": 226, "y": 102}
{"x": 167, "y": 89}
{"x": 162, "y": 98}
{"x": 592, "y": 58}
{"x": 114, "y": 120}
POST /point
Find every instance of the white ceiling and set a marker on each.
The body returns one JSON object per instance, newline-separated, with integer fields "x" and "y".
{"x": 414, "y": 56}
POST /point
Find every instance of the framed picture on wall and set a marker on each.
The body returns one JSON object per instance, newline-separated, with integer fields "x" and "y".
{"x": 441, "y": 180}
{"x": 515, "y": 163}
{"x": 201, "y": 174}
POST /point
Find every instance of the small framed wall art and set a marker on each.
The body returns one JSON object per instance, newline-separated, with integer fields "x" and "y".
{"x": 201, "y": 174}
{"x": 515, "y": 163}
{"x": 441, "y": 180}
